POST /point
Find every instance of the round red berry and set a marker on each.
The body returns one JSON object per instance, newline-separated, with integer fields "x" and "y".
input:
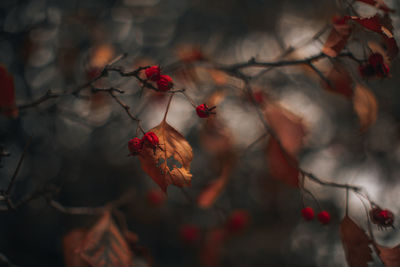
{"x": 165, "y": 83}
{"x": 383, "y": 218}
{"x": 324, "y": 217}
{"x": 153, "y": 73}
{"x": 189, "y": 233}
{"x": 155, "y": 197}
{"x": 135, "y": 145}
{"x": 238, "y": 221}
{"x": 150, "y": 139}
{"x": 203, "y": 111}
{"x": 307, "y": 213}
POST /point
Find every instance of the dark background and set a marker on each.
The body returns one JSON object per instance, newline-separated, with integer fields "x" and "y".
{"x": 81, "y": 147}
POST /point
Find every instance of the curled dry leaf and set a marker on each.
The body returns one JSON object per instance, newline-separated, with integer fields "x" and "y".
{"x": 355, "y": 243}
{"x": 337, "y": 38}
{"x": 7, "y": 94}
{"x": 101, "y": 246}
{"x": 366, "y": 106}
{"x": 170, "y": 163}
{"x": 389, "y": 256}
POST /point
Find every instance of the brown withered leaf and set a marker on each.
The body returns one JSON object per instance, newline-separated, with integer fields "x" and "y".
{"x": 288, "y": 127}
{"x": 71, "y": 243}
{"x": 389, "y": 256}
{"x": 105, "y": 246}
{"x": 281, "y": 166}
{"x": 337, "y": 38}
{"x": 208, "y": 196}
{"x": 365, "y": 105}
{"x": 169, "y": 164}
{"x": 355, "y": 243}
{"x": 340, "y": 80}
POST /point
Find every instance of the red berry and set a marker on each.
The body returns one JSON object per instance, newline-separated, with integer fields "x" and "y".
{"x": 383, "y": 218}
{"x": 307, "y": 213}
{"x": 165, "y": 83}
{"x": 189, "y": 233}
{"x": 155, "y": 197}
{"x": 238, "y": 221}
{"x": 324, "y": 217}
{"x": 203, "y": 111}
{"x": 135, "y": 145}
{"x": 153, "y": 73}
{"x": 151, "y": 139}
{"x": 375, "y": 59}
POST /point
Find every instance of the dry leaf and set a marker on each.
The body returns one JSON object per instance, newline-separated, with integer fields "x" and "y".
{"x": 288, "y": 127}
{"x": 366, "y": 106}
{"x": 341, "y": 81}
{"x": 7, "y": 93}
{"x": 71, "y": 242}
{"x": 169, "y": 164}
{"x": 279, "y": 166}
{"x": 104, "y": 245}
{"x": 355, "y": 243}
{"x": 211, "y": 251}
{"x": 337, "y": 38}
{"x": 389, "y": 256}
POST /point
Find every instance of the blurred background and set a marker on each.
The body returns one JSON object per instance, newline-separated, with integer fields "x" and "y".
{"x": 79, "y": 144}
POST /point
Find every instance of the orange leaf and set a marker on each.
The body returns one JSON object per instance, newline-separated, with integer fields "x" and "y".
{"x": 71, "y": 242}
{"x": 390, "y": 256}
{"x": 7, "y": 93}
{"x": 169, "y": 164}
{"x": 337, "y": 38}
{"x": 341, "y": 81}
{"x": 279, "y": 165}
{"x": 355, "y": 243}
{"x": 104, "y": 245}
{"x": 288, "y": 127}
{"x": 366, "y": 106}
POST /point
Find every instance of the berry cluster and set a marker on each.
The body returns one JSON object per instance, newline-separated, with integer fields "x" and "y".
{"x": 135, "y": 145}
{"x": 308, "y": 214}
{"x": 374, "y": 67}
{"x": 164, "y": 82}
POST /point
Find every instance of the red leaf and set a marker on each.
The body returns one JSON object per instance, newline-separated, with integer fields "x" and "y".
{"x": 355, "y": 243}
{"x": 338, "y": 37}
{"x": 104, "y": 245}
{"x": 340, "y": 80}
{"x": 278, "y": 164}
{"x": 378, "y": 4}
{"x": 7, "y": 93}
{"x": 390, "y": 256}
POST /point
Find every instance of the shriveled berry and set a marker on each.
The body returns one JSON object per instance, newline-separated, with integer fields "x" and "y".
{"x": 238, "y": 221}
{"x": 203, "y": 111}
{"x": 307, "y": 213}
{"x": 189, "y": 233}
{"x": 165, "y": 83}
{"x": 155, "y": 197}
{"x": 153, "y": 73}
{"x": 150, "y": 139}
{"x": 382, "y": 218}
{"x": 135, "y": 145}
{"x": 324, "y": 217}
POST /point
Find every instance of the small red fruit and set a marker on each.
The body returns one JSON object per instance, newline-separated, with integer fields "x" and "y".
{"x": 203, "y": 111}
{"x": 165, "y": 83}
{"x": 383, "y": 218}
{"x": 155, "y": 197}
{"x": 189, "y": 233}
{"x": 324, "y": 217}
{"x": 307, "y": 213}
{"x": 135, "y": 145}
{"x": 238, "y": 221}
{"x": 150, "y": 139}
{"x": 153, "y": 73}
